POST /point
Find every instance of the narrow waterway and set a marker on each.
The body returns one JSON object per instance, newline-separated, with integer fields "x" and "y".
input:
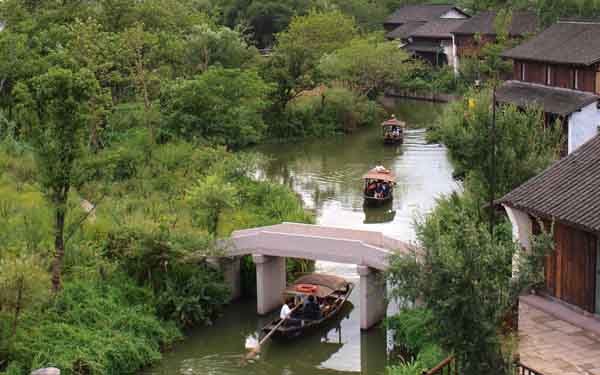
{"x": 326, "y": 173}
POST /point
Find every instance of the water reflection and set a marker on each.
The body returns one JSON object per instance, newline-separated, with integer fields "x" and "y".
{"x": 383, "y": 213}
{"x": 327, "y": 173}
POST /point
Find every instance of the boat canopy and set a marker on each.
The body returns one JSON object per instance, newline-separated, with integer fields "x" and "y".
{"x": 320, "y": 291}
{"x": 380, "y": 174}
{"x": 393, "y": 121}
{"x": 321, "y": 279}
{"x": 325, "y": 284}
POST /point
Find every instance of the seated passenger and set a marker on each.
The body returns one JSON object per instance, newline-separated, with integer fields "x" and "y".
{"x": 311, "y": 309}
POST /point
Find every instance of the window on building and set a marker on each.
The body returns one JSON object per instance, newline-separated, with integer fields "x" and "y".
{"x": 575, "y": 84}
{"x": 522, "y": 71}
{"x": 548, "y": 75}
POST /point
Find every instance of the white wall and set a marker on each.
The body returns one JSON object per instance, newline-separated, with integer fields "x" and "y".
{"x": 454, "y": 56}
{"x": 453, "y": 14}
{"x": 583, "y": 125}
{"x": 448, "y": 48}
{"x": 522, "y": 229}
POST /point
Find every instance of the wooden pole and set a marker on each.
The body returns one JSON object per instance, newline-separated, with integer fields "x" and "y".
{"x": 493, "y": 164}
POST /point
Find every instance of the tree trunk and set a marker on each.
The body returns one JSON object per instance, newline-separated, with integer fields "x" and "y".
{"x": 21, "y": 285}
{"x": 59, "y": 247}
{"x": 141, "y": 78}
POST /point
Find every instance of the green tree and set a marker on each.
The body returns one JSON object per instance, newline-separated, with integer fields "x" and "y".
{"x": 265, "y": 18}
{"x": 139, "y": 47}
{"x": 17, "y": 62}
{"x": 210, "y": 197}
{"x": 223, "y": 106}
{"x": 524, "y": 146}
{"x": 298, "y": 50}
{"x": 209, "y": 45}
{"x": 464, "y": 278}
{"x": 54, "y": 108}
{"x": 369, "y": 65}
{"x": 23, "y": 283}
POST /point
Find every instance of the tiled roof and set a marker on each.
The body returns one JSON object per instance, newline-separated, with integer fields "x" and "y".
{"x": 552, "y": 99}
{"x": 485, "y": 23}
{"x": 568, "y": 191}
{"x": 441, "y": 28}
{"x": 411, "y": 13}
{"x": 404, "y": 31}
{"x": 566, "y": 42}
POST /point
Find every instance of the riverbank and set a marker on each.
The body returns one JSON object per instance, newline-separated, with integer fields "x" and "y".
{"x": 326, "y": 175}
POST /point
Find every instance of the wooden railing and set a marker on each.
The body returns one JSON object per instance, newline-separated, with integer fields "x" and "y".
{"x": 447, "y": 367}
{"x": 521, "y": 369}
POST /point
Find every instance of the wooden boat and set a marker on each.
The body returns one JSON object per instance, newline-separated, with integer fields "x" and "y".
{"x": 393, "y": 130}
{"x": 376, "y": 178}
{"x": 331, "y": 291}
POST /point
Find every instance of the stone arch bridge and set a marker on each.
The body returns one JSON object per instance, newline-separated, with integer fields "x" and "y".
{"x": 270, "y": 245}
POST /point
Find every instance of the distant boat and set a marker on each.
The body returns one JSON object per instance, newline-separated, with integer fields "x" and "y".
{"x": 331, "y": 291}
{"x": 379, "y": 186}
{"x": 393, "y": 130}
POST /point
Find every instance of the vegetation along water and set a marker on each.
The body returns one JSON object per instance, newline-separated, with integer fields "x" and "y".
{"x": 134, "y": 134}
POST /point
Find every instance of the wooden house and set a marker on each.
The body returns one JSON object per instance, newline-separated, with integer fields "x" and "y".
{"x": 479, "y": 30}
{"x": 559, "y": 70}
{"x": 567, "y": 194}
{"x": 425, "y": 31}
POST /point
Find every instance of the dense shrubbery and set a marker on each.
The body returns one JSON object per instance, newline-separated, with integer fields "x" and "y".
{"x": 134, "y": 270}
{"x": 463, "y": 268}
{"x": 464, "y": 279}
{"x": 524, "y": 146}
{"x": 335, "y": 110}
{"x": 413, "y": 337}
{"x": 96, "y": 325}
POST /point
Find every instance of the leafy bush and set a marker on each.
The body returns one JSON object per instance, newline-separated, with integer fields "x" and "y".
{"x": 221, "y": 106}
{"x": 469, "y": 295}
{"x": 335, "y": 110}
{"x": 96, "y": 325}
{"x": 187, "y": 292}
{"x": 524, "y": 146}
{"x": 412, "y": 329}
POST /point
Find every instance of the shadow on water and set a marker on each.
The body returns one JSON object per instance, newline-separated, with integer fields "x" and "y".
{"x": 379, "y": 214}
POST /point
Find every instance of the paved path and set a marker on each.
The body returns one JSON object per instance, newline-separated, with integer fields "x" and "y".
{"x": 553, "y": 342}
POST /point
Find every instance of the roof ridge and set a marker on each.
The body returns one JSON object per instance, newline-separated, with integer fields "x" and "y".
{"x": 567, "y": 90}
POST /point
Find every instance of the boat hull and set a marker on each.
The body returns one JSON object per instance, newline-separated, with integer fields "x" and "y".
{"x": 393, "y": 141}
{"x": 372, "y": 201}
{"x": 300, "y": 327}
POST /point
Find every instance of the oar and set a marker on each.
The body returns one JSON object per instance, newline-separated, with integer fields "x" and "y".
{"x": 256, "y": 350}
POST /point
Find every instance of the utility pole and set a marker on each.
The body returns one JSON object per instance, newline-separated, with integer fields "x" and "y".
{"x": 493, "y": 163}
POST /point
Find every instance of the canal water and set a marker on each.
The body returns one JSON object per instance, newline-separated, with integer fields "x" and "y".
{"x": 326, "y": 173}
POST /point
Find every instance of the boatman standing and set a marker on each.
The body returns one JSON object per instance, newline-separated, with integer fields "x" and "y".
{"x": 285, "y": 310}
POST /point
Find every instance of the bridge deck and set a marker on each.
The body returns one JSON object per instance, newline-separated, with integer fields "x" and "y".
{"x": 317, "y": 242}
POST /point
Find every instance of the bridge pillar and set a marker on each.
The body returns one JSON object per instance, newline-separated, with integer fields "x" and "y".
{"x": 270, "y": 282}
{"x": 372, "y": 297}
{"x": 230, "y": 266}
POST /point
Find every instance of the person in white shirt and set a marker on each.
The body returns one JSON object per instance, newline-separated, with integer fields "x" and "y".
{"x": 285, "y": 310}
